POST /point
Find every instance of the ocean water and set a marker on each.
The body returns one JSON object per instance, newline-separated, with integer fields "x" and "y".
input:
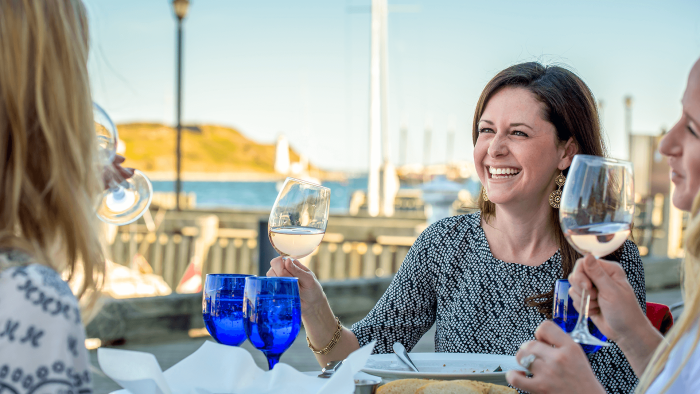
{"x": 262, "y": 195}
{"x": 256, "y": 195}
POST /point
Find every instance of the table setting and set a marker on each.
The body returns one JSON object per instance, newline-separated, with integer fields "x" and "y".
{"x": 267, "y": 311}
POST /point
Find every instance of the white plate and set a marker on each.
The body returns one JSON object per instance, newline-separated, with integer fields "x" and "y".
{"x": 358, "y": 376}
{"x": 443, "y": 366}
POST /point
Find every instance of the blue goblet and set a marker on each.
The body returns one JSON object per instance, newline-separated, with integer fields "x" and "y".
{"x": 565, "y": 316}
{"x": 222, "y": 308}
{"x": 272, "y": 315}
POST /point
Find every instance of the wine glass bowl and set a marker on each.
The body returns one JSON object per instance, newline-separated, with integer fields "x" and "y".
{"x": 272, "y": 314}
{"x": 298, "y": 218}
{"x": 222, "y": 308}
{"x": 597, "y": 206}
{"x": 124, "y": 200}
{"x": 596, "y": 213}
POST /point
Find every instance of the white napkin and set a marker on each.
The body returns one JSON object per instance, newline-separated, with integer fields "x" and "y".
{"x": 220, "y": 369}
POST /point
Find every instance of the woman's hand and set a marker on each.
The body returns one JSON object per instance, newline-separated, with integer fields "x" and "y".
{"x": 560, "y": 366}
{"x": 115, "y": 172}
{"x": 614, "y": 307}
{"x": 319, "y": 320}
{"x": 310, "y": 290}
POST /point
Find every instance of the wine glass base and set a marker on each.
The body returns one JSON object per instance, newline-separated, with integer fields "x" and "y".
{"x": 584, "y": 338}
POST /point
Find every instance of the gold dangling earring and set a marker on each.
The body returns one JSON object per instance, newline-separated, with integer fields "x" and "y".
{"x": 484, "y": 195}
{"x": 555, "y": 197}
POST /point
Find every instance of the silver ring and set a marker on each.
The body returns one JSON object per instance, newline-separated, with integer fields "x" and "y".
{"x": 527, "y": 361}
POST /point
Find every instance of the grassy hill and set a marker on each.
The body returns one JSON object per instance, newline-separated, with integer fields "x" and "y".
{"x": 150, "y": 147}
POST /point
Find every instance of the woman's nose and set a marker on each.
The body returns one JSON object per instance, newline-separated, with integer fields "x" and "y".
{"x": 669, "y": 144}
{"x": 497, "y": 147}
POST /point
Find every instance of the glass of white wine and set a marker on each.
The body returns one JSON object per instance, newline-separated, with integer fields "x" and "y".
{"x": 596, "y": 212}
{"x": 299, "y": 217}
{"x": 124, "y": 200}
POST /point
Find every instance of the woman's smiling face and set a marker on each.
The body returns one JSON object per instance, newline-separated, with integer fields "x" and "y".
{"x": 518, "y": 154}
{"x": 682, "y": 145}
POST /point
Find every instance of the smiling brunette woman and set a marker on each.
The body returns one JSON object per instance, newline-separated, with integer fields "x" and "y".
{"x": 486, "y": 279}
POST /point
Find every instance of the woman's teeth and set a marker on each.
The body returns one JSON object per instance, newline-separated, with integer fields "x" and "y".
{"x": 503, "y": 173}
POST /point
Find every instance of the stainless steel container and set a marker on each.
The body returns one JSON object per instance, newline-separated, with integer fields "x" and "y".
{"x": 366, "y": 386}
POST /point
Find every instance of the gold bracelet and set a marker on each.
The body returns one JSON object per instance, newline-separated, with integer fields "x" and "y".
{"x": 332, "y": 343}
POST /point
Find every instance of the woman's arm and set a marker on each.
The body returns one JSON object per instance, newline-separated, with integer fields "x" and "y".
{"x": 404, "y": 313}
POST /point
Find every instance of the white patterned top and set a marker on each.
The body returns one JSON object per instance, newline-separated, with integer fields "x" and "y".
{"x": 451, "y": 279}
{"x": 42, "y": 338}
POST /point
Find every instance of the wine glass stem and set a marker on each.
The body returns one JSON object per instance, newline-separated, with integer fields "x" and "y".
{"x": 582, "y": 323}
{"x": 117, "y": 191}
{"x": 272, "y": 360}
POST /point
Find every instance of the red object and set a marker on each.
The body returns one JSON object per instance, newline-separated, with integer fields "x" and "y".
{"x": 660, "y": 316}
{"x": 191, "y": 281}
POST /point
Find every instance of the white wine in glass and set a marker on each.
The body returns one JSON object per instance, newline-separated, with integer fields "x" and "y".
{"x": 596, "y": 213}
{"x": 299, "y": 217}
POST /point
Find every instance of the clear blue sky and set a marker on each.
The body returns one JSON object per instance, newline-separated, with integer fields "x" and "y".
{"x": 302, "y": 67}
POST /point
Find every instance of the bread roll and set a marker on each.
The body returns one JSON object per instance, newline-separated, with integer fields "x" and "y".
{"x": 403, "y": 386}
{"x": 453, "y": 387}
{"x": 426, "y": 386}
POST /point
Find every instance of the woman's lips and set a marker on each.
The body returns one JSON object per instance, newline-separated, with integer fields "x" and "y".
{"x": 676, "y": 177}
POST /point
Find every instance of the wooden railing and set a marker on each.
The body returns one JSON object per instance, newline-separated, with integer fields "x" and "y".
{"x": 235, "y": 251}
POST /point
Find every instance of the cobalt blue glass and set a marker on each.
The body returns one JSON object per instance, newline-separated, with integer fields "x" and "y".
{"x": 565, "y": 316}
{"x": 272, "y": 315}
{"x": 222, "y": 307}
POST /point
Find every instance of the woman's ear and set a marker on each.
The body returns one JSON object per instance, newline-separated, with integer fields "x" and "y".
{"x": 570, "y": 150}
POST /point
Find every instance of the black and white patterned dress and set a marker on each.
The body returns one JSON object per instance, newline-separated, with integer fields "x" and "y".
{"x": 42, "y": 338}
{"x": 450, "y": 278}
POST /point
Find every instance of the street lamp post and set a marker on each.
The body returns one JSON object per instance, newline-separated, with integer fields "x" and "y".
{"x": 180, "y": 8}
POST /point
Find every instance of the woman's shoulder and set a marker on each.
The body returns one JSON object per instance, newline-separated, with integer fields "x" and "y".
{"x": 43, "y": 338}
{"x": 35, "y": 289}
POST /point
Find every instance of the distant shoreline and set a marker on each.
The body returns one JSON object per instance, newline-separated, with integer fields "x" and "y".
{"x": 231, "y": 176}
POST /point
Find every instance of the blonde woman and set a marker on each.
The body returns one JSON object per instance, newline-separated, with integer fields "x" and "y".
{"x": 48, "y": 186}
{"x": 666, "y": 365}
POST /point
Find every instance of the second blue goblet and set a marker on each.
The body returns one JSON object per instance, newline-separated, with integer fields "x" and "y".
{"x": 272, "y": 314}
{"x": 222, "y": 307}
{"x": 565, "y": 316}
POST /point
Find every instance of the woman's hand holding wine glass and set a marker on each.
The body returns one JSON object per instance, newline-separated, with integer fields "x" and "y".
{"x": 606, "y": 283}
{"x": 310, "y": 290}
{"x": 127, "y": 193}
{"x": 296, "y": 227}
{"x": 611, "y": 294}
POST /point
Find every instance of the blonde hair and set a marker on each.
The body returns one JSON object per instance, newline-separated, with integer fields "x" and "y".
{"x": 691, "y": 311}
{"x": 48, "y": 179}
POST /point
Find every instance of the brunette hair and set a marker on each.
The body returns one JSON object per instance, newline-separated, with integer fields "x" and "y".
{"x": 48, "y": 178}
{"x": 569, "y": 105}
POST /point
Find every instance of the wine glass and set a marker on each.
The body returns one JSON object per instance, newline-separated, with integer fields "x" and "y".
{"x": 124, "y": 200}
{"x": 222, "y": 308}
{"x": 299, "y": 217}
{"x": 565, "y": 316}
{"x": 272, "y": 314}
{"x": 596, "y": 212}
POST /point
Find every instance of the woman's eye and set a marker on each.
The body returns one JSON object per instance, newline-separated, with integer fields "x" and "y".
{"x": 520, "y": 133}
{"x": 692, "y": 131}
{"x": 485, "y": 130}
